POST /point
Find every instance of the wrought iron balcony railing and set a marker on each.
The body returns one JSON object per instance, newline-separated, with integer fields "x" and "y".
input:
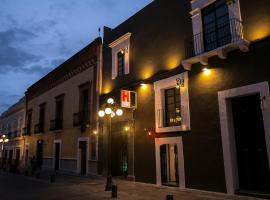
{"x": 169, "y": 118}
{"x": 26, "y": 131}
{"x": 39, "y": 128}
{"x": 228, "y": 32}
{"x": 56, "y": 124}
{"x": 81, "y": 118}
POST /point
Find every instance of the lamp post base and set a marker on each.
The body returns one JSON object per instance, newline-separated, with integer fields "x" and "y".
{"x": 108, "y": 183}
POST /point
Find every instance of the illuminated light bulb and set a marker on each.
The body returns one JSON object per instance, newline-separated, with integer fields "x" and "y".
{"x": 143, "y": 85}
{"x": 206, "y": 71}
{"x": 149, "y": 133}
{"x": 126, "y": 128}
{"x": 110, "y": 101}
{"x": 122, "y": 51}
{"x": 6, "y": 140}
{"x": 3, "y": 136}
{"x": 95, "y": 132}
{"x": 101, "y": 113}
{"x": 112, "y": 114}
{"x": 119, "y": 112}
{"x": 1, "y": 140}
{"x": 108, "y": 111}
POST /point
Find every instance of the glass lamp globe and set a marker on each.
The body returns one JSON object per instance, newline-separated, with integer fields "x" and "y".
{"x": 101, "y": 113}
{"x": 119, "y": 112}
{"x": 108, "y": 111}
{"x": 110, "y": 101}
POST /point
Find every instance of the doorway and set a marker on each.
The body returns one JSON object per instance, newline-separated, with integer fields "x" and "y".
{"x": 169, "y": 165}
{"x": 17, "y": 157}
{"x": 10, "y": 157}
{"x": 83, "y": 157}
{"x": 39, "y": 153}
{"x": 250, "y": 141}
{"x": 57, "y": 147}
{"x": 119, "y": 154}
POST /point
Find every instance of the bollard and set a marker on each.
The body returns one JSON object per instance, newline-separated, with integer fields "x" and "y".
{"x": 52, "y": 178}
{"x": 169, "y": 197}
{"x": 114, "y": 191}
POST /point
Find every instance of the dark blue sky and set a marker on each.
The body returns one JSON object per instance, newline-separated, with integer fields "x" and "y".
{"x": 36, "y": 36}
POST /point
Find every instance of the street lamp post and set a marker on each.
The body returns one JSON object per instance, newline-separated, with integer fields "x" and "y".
{"x": 109, "y": 111}
{"x": 3, "y": 140}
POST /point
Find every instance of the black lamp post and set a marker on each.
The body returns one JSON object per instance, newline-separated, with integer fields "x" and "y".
{"x": 109, "y": 111}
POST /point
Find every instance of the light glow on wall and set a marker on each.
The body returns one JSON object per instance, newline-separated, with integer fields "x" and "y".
{"x": 206, "y": 71}
{"x": 147, "y": 72}
{"x": 260, "y": 30}
{"x": 173, "y": 61}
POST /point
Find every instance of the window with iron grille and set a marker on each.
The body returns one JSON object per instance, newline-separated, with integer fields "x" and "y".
{"x": 172, "y": 107}
{"x": 121, "y": 63}
{"x": 216, "y": 25}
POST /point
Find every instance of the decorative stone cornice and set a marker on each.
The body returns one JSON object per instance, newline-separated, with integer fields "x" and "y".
{"x": 120, "y": 40}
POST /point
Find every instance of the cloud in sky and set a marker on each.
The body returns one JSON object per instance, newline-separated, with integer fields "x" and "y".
{"x": 37, "y": 36}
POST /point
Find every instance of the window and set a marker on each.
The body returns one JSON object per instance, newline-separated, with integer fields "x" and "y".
{"x": 121, "y": 63}
{"x": 29, "y": 122}
{"x": 57, "y": 123}
{"x": 82, "y": 118}
{"x": 172, "y": 104}
{"x": 216, "y": 25}
{"x": 59, "y": 108}
{"x": 42, "y": 117}
{"x": 120, "y": 55}
{"x": 172, "y": 107}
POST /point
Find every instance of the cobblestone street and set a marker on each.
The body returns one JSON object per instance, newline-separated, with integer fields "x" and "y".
{"x": 15, "y": 187}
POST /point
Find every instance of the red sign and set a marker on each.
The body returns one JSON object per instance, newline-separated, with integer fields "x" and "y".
{"x": 128, "y": 99}
{"x": 125, "y": 98}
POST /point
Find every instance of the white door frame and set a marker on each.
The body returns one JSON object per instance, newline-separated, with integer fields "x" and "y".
{"x": 54, "y": 152}
{"x": 80, "y": 139}
{"x": 181, "y": 169}
{"x": 227, "y": 128}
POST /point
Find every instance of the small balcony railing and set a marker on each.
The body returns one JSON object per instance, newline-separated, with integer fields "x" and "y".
{"x": 56, "y": 124}
{"x": 39, "y": 128}
{"x": 81, "y": 118}
{"x": 228, "y": 32}
{"x": 169, "y": 118}
{"x": 26, "y": 131}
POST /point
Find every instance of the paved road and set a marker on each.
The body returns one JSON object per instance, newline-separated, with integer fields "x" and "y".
{"x": 19, "y": 187}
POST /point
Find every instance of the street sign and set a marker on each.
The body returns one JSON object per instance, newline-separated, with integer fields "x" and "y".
{"x": 128, "y": 99}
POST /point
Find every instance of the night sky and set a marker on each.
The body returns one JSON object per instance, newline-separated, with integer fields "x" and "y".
{"x": 38, "y": 35}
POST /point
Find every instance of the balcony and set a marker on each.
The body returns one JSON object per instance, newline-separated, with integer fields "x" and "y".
{"x": 39, "y": 128}
{"x": 81, "y": 118}
{"x": 26, "y": 131}
{"x": 172, "y": 121}
{"x": 217, "y": 41}
{"x": 56, "y": 124}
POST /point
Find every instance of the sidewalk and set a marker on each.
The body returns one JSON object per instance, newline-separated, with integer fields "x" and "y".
{"x": 68, "y": 187}
{"x": 128, "y": 190}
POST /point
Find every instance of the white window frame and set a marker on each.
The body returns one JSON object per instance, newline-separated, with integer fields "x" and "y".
{"x": 168, "y": 83}
{"x": 122, "y": 43}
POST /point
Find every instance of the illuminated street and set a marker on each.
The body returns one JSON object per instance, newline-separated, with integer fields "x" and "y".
{"x": 77, "y": 188}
